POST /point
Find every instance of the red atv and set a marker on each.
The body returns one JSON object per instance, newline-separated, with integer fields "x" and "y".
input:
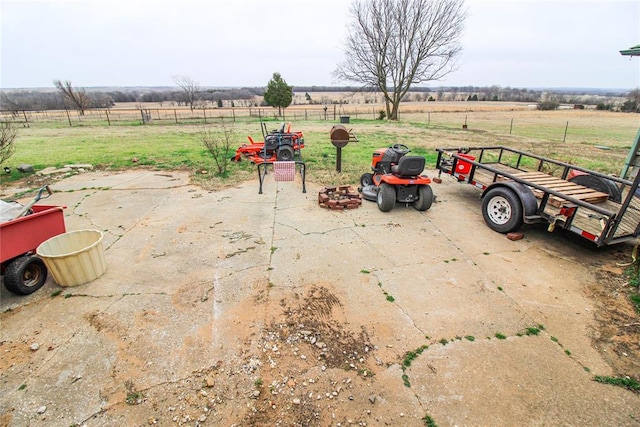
{"x": 280, "y": 144}
{"x": 397, "y": 177}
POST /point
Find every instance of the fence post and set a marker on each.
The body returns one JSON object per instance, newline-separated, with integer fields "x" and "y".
{"x": 233, "y": 112}
{"x": 564, "y": 138}
{"x": 511, "y": 126}
{"x": 175, "y": 114}
{"x": 68, "y": 117}
{"x": 108, "y": 119}
{"x": 204, "y": 113}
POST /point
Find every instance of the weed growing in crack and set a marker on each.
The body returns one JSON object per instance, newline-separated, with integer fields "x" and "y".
{"x": 56, "y": 293}
{"x": 410, "y": 356}
{"x": 428, "y": 421}
{"x": 567, "y": 352}
{"x": 626, "y": 382}
{"x": 405, "y": 380}
{"x": 470, "y": 338}
{"x": 444, "y": 341}
{"x": 365, "y": 271}
{"x": 273, "y": 249}
{"x": 390, "y": 298}
{"x": 500, "y": 336}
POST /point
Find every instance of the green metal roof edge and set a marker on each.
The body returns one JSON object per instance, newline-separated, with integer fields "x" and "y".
{"x": 632, "y": 51}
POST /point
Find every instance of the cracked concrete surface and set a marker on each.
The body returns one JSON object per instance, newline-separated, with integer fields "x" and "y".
{"x": 214, "y": 304}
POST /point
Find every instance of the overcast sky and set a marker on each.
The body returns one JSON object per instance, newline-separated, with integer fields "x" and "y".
{"x": 528, "y": 43}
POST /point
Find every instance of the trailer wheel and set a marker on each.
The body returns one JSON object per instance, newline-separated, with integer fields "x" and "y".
{"x": 285, "y": 154}
{"x": 386, "y": 198}
{"x": 502, "y": 210}
{"x": 366, "y": 179}
{"x": 25, "y": 275}
{"x": 425, "y": 198}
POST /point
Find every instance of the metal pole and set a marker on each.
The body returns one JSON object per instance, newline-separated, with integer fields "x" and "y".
{"x": 338, "y": 159}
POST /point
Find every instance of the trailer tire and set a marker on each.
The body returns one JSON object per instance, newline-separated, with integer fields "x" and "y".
{"x": 25, "y": 275}
{"x": 425, "y": 198}
{"x": 502, "y": 210}
{"x": 285, "y": 154}
{"x": 386, "y": 198}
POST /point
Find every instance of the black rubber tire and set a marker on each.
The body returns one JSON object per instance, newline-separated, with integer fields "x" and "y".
{"x": 366, "y": 179}
{"x": 425, "y": 198}
{"x": 599, "y": 184}
{"x": 25, "y": 275}
{"x": 502, "y": 210}
{"x": 386, "y": 199}
{"x": 285, "y": 154}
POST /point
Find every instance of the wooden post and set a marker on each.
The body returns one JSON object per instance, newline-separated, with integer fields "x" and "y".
{"x": 204, "y": 113}
{"x": 233, "y": 112}
{"x": 429, "y": 118}
{"x": 305, "y": 114}
{"x": 565, "y": 132}
{"x": 142, "y": 116}
{"x": 25, "y": 118}
{"x": 175, "y": 114}
{"x": 511, "y": 126}
{"x": 108, "y": 119}
{"x": 68, "y": 117}
{"x": 334, "y": 112}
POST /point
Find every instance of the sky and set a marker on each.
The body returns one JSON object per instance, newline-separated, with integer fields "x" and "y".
{"x": 241, "y": 43}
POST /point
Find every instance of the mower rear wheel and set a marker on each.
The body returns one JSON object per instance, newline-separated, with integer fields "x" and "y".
{"x": 502, "y": 210}
{"x": 425, "y": 198}
{"x": 25, "y": 275}
{"x": 285, "y": 154}
{"x": 386, "y": 199}
{"x": 366, "y": 179}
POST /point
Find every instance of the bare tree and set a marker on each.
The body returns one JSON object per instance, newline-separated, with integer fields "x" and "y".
{"x": 8, "y": 135}
{"x": 219, "y": 143}
{"x": 190, "y": 88}
{"x": 393, "y": 44}
{"x": 76, "y": 98}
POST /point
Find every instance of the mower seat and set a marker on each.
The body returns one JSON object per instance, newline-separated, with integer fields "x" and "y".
{"x": 409, "y": 166}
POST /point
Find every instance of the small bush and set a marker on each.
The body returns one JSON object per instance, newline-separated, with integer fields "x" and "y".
{"x": 382, "y": 115}
{"x": 547, "y": 105}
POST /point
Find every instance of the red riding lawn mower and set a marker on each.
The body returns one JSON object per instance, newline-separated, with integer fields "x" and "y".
{"x": 280, "y": 144}
{"x": 397, "y": 177}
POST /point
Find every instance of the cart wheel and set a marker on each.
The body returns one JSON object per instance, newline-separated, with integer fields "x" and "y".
{"x": 425, "y": 198}
{"x": 502, "y": 210}
{"x": 386, "y": 199}
{"x": 366, "y": 179}
{"x": 25, "y": 275}
{"x": 285, "y": 154}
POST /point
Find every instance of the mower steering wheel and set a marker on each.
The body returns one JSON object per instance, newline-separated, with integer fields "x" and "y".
{"x": 400, "y": 148}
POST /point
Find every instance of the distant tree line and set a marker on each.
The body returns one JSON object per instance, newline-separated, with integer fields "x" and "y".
{"x": 37, "y": 100}
{"x": 50, "y": 99}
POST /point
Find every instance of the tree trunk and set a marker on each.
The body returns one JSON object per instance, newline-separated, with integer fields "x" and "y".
{"x": 394, "y": 111}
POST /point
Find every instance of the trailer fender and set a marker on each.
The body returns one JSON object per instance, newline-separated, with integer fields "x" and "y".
{"x": 526, "y": 196}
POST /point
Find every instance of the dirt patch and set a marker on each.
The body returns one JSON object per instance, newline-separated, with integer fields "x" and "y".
{"x": 618, "y": 335}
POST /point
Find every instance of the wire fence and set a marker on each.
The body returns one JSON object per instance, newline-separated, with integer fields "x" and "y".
{"x": 110, "y": 117}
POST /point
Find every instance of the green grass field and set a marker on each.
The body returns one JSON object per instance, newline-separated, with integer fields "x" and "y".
{"x": 178, "y": 146}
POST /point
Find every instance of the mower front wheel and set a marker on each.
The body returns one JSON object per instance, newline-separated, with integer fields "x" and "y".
{"x": 285, "y": 154}
{"x": 425, "y": 198}
{"x": 366, "y": 179}
{"x": 386, "y": 199}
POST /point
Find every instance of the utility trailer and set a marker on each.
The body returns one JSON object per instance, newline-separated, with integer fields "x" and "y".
{"x": 523, "y": 188}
